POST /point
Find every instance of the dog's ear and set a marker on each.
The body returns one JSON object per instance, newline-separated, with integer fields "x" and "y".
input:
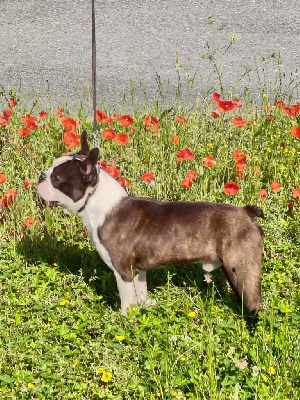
{"x": 85, "y": 148}
{"x": 88, "y": 165}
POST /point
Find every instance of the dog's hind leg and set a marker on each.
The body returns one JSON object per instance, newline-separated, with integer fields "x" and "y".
{"x": 140, "y": 284}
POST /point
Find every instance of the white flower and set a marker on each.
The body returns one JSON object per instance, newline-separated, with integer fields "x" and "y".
{"x": 255, "y": 370}
{"x": 208, "y": 278}
{"x": 241, "y": 364}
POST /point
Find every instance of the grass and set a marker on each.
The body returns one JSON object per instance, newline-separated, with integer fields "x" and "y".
{"x": 62, "y": 335}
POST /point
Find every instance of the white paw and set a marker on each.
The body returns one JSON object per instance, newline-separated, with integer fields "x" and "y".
{"x": 149, "y": 302}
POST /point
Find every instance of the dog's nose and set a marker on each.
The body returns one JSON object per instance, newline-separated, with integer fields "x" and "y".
{"x": 42, "y": 177}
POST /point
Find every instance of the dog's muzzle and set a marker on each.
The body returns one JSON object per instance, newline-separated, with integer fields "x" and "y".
{"x": 42, "y": 178}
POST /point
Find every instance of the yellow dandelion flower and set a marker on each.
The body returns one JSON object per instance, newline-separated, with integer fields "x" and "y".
{"x": 63, "y": 302}
{"x": 272, "y": 371}
{"x": 106, "y": 376}
{"x": 267, "y": 338}
{"x": 31, "y": 385}
{"x": 120, "y": 337}
{"x": 182, "y": 358}
{"x": 280, "y": 280}
{"x": 192, "y": 314}
{"x": 101, "y": 370}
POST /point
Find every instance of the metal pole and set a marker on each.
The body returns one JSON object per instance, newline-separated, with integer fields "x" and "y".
{"x": 95, "y": 125}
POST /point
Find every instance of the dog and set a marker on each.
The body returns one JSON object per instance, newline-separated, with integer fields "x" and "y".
{"x": 134, "y": 235}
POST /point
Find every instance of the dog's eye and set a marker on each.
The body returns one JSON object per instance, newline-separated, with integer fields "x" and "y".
{"x": 55, "y": 178}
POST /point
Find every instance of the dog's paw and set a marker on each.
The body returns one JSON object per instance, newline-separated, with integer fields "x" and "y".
{"x": 149, "y": 302}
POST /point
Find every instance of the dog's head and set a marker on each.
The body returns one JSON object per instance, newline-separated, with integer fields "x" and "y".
{"x": 71, "y": 178}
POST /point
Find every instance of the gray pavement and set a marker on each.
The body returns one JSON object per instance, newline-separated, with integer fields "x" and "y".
{"x": 46, "y": 47}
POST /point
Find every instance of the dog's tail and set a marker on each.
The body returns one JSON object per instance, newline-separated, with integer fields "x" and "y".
{"x": 254, "y": 211}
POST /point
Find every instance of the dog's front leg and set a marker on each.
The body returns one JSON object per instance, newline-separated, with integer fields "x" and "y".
{"x": 134, "y": 291}
{"x": 127, "y": 292}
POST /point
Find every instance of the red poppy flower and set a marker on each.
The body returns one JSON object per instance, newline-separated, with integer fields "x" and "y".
{"x": 102, "y": 165}
{"x": 262, "y": 194}
{"x": 290, "y": 204}
{"x": 126, "y": 120}
{"x": 7, "y": 113}
{"x": 124, "y": 182}
{"x": 295, "y": 108}
{"x": 175, "y": 139}
{"x": 2, "y": 178}
{"x": 71, "y": 139}
{"x": 31, "y": 124}
{"x": 27, "y": 183}
{"x": 12, "y": 102}
{"x": 231, "y": 188}
{"x": 147, "y": 177}
{"x": 238, "y": 103}
{"x": 28, "y": 222}
{"x": 295, "y": 131}
{"x": 108, "y": 121}
{"x": 187, "y": 182}
{"x": 9, "y": 197}
{"x": 239, "y": 155}
{"x": 216, "y": 96}
{"x": 289, "y": 111}
{"x": 27, "y": 117}
{"x": 279, "y": 104}
{"x": 115, "y": 116}
{"x": 43, "y": 114}
{"x": 108, "y": 134}
{"x": 30, "y": 121}
{"x": 275, "y": 187}
{"x": 4, "y": 121}
{"x": 5, "y": 202}
{"x": 100, "y": 115}
{"x": 186, "y": 154}
{"x": 192, "y": 174}
{"x": 225, "y": 106}
{"x": 69, "y": 123}
{"x": 23, "y": 131}
{"x": 121, "y": 139}
{"x": 286, "y": 110}
{"x": 215, "y": 114}
{"x": 209, "y": 161}
{"x": 241, "y": 164}
{"x": 113, "y": 171}
{"x": 296, "y": 193}
{"x": 59, "y": 112}
{"x": 151, "y": 123}
{"x": 239, "y": 122}
{"x": 180, "y": 120}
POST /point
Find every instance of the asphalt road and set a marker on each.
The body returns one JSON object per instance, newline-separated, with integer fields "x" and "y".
{"x": 46, "y": 47}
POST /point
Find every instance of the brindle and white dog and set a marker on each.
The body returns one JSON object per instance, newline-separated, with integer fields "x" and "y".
{"x": 134, "y": 235}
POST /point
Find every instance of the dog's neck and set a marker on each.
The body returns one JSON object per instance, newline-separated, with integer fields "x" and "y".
{"x": 107, "y": 195}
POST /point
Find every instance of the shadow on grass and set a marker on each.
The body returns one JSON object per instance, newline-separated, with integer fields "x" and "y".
{"x": 77, "y": 259}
